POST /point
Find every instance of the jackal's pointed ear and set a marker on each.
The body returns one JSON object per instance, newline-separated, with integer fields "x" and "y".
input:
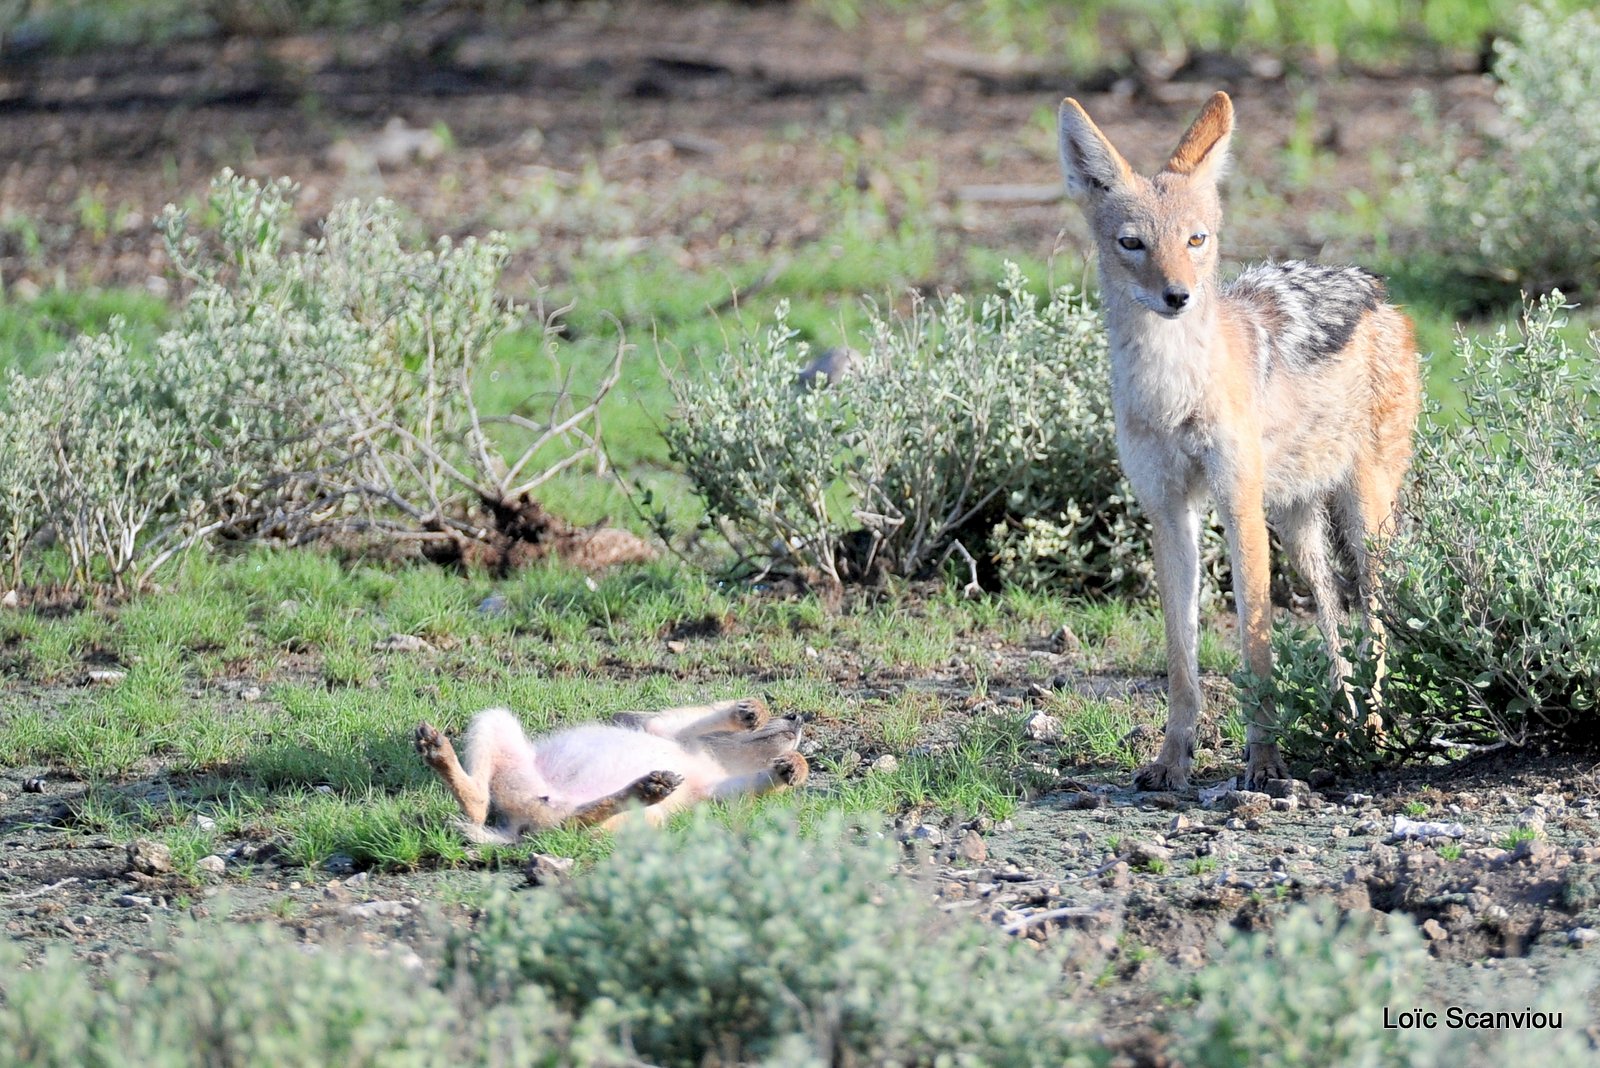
{"x": 1203, "y": 152}
{"x": 1088, "y": 161}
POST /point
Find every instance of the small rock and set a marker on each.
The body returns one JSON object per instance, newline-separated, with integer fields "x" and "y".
{"x": 368, "y": 910}
{"x": 1435, "y": 931}
{"x": 1065, "y": 642}
{"x": 1285, "y": 804}
{"x": 1146, "y": 852}
{"x": 203, "y": 822}
{"x": 1533, "y": 851}
{"x": 212, "y": 865}
{"x": 1286, "y": 788}
{"x": 1339, "y": 832}
{"x": 1083, "y": 799}
{"x": 543, "y": 869}
{"x": 1582, "y": 936}
{"x": 149, "y": 858}
{"x": 1119, "y": 876}
{"x": 1163, "y": 800}
{"x": 250, "y": 694}
{"x": 1178, "y": 824}
{"x": 106, "y": 676}
{"x": 493, "y": 605}
{"x": 133, "y": 901}
{"x": 401, "y": 643}
{"x": 335, "y": 891}
{"x": 675, "y": 646}
{"x": 1357, "y": 800}
{"x": 1246, "y": 803}
{"x": 1367, "y": 827}
{"x": 358, "y": 879}
{"x": 887, "y": 764}
{"x": 927, "y": 833}
{"x": 33, "y": 786}
{"x": 1321, "y": 778}
{"x": 1496, "y": 915}
{"x": 973, "y": 848}
{"x": 1042, "y": 727}
{"x": 10, "y": 600}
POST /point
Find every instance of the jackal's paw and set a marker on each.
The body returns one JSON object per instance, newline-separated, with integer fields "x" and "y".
{"x": 1264, "y": 764}
{"x": 657, "y": 786}
{"x": 750, "y": 713}
{"x": 1160, "y": 778}
{"x": 791, "y": 769}
{"x": 433, "y": 747}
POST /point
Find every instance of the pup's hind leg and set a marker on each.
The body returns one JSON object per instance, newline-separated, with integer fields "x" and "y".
{"x": 785, "y": 771}
{"x": 471, "y": 792}
{"x": 494, "y": 741}
{"x": 692, "y": 721}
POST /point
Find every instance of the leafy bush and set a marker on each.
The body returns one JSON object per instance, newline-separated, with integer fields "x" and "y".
{"x": 724, "y": 948}
{"x": 1490, "y": 591}
{"x": 1525, "y": 211}
{"x": 224, "y": 996}
{"x": 322, "y": 387}
{"x": 990, "y": 425}
{"x": 1310, "y": 992}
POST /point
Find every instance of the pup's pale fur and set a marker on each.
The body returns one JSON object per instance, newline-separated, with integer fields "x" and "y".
{"x": 1293, "y": 390}
{"x": 508, "y": 784}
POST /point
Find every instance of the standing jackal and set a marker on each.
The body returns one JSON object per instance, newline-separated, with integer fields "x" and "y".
{"x": 594, "y": 772}
{"x": 1293, "y": 389}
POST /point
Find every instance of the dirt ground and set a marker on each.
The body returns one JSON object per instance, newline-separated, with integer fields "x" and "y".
{"x": 710, "y": 127}
{"x": 1138, "y": 884}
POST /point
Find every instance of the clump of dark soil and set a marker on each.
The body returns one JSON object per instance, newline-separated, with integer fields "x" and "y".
{"x": 516, "y": 532}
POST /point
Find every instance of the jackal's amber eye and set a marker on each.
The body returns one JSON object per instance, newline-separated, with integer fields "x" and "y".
{"x": 1196, "y": 240}
{"x": 1132, "y": 244}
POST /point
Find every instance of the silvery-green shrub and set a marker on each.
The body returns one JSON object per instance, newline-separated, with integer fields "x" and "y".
{"x": 1490, "y": 587}
{"x": 1525, "y": 210}
{"x": 226, "y": 996}
{"x": 307, "y": 385}
{"x": 1491, "y": 591}
{"x": 986, "y": 421}
{"x": 1309, "y": 993}
{"x": 805, "y": 949}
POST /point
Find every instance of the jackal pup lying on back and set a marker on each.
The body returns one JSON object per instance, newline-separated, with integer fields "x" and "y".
{"x": 593, "y": 773}
{"x": 1292, "y": 390}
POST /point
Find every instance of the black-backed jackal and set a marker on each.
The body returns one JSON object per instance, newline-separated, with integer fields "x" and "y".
{"x": 1292, "y": 390}
{"x": 508, "y": 784}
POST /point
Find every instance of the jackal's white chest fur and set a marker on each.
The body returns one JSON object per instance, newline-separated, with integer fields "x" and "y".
{"x": 1161, "y": 370}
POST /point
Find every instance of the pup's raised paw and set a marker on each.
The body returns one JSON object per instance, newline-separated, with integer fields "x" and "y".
{"x": 657, "y": 786}
{"x": 750, "y": 713}
{"x": 791, "y": 769}
{"x": 434, "y": 748}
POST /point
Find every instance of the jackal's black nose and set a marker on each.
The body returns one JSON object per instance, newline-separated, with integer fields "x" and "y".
{"x": 1176, "y": 297}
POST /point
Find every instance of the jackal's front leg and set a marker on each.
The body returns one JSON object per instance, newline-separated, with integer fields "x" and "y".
{"x": 1175, "y": 537}
{"x": 647, "y": 790}
{"x": 1250, "y": 553}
